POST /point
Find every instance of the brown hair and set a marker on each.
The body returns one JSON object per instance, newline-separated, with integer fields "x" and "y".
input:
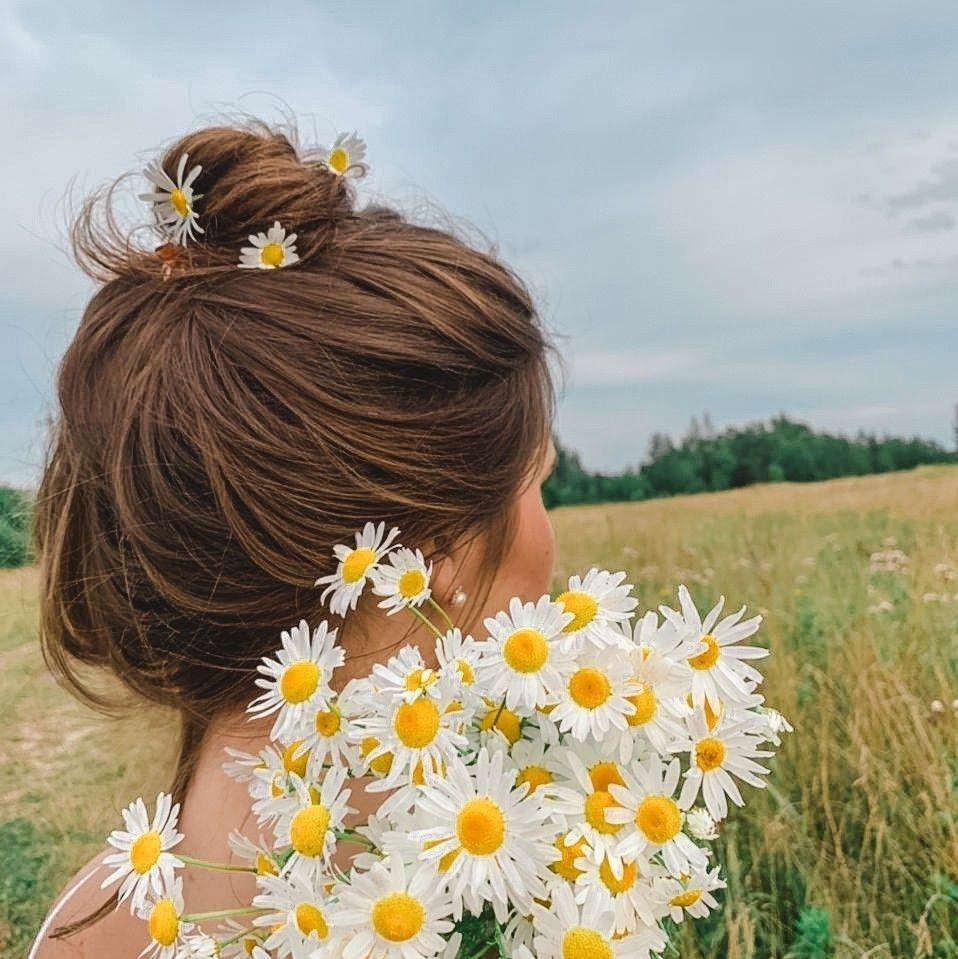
{"x": 221, "y": 429}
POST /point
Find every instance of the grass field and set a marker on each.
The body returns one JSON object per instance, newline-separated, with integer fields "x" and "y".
{"x": 851, "y": 852}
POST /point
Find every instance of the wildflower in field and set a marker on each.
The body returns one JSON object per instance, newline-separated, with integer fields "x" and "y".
{"x": 719, "y": 670}
{"x": 271, "y": 250}
{"x": 297, "y": 918}
{"x": 494, "y": 831}
{"x": 392, "y": 912}
{"x": 598, "y": 603}
{"x": 297, "y": 681}
{"x": 143, "y": 860}
{"x": 523, "y": 660}
{"x": 355, "y": 567}
{"x": 165, "y": 922}
{"x": 173, "y": 199}
{"x": 718, "y": 753}
{"x": 403, "y": 579}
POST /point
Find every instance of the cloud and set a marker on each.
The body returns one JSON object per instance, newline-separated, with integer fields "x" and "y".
{"x": 934, "y": 221}
{"x": 942, "y": 186}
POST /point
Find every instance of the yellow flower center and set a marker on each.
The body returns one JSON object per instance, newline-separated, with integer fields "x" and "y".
{"x": 645, "y": 705}
{"x": 505, "y": 720}
{"x": 582, "y": 943}
{"x": 417, "y": 723}
{"x": 164, "y": 923}
{"x": 480, "y": 826}
{"x": 582, "y": 606}
{"x": 264, "y": 865}
{"x": 466, "y": 673}
{"x": 293, "y": 763}
{"x": 618, "y": 886}
{"x": 356, "y": 564}
{"x": 382, "y": 763}
{"x": 525, "y": 651}
{"x": 589, "y": 687}
{"x": 688, "y": 898}
{"x": 709, "y": 754}
{"x": 310, "y": 919}
{"x": 535, "y": 776}
{"x": 602, "y": 774}
{"x": 327, "y": 723}
{"x": 420, "y": 679}
{"x": 708, "y": 658}
{"x": 712, "y": 716}
{"x": 272, "y": 254}
{"x": 307, "y": 831}
{"x": 565, "y": 865}
{"x": 179, "y": 203}
{"x": 338, "y": 161}
{"x": 145, "y": 851}
{"x": 596, "y": 804}
{"x": 658, "y": 819}
{"x": 397, "y": 917}
{"x": 444, "y": 861}
{"x": 299, "y": 681}
{"x": 411, "y": 583}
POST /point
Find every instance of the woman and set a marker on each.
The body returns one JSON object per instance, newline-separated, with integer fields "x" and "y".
{"x": 229, "y": 412}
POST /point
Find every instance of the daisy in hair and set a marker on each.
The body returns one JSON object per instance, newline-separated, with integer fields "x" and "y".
{"x": 494, "y": 832}
{"x": 173, "y": 199}
{"x": 403, "y": 579}
{"x": 355, "y": 566}
{"x": 297, "y": 917}
{"x": 691, "y": 894}
{"x": 718, "y": 752}
{"x": 566, "y": 929}
{"x": 595, "y": 696}
{"x": 345, "y": 157}
{"x": 307, "y": 821}
{"x": 719, "y": 670}
{"x": 652, "y": 818}
{"x": 628, "y": 895}
{"x": 522, "y": 661}
{"x": 599, "y": 605}
{"x": 143, "y": 860}
{"x": 271, "y": 250}
{"x": 165, "y": 923}
{"x": 297, "y": 681}
{"x": 392, "y": 912}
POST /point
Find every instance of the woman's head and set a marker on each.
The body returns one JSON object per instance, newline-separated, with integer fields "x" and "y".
{"x": 220, "y": 429}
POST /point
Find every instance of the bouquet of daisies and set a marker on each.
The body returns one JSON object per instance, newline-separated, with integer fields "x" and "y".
{"x": 549, "y": 788}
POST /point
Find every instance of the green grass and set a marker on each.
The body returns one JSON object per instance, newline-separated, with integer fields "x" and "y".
{"x": 852, "y": 851}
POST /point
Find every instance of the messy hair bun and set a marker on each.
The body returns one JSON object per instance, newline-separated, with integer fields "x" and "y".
{"x": 220, "y": 431}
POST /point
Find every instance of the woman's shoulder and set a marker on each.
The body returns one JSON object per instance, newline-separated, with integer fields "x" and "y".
{"x": 117, "y": 935}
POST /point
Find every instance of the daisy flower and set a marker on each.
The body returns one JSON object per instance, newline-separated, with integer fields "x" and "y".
{"x": 569, "y": 930}
{"x": 653, "y": 817}
{"x": 522, "y": 660}
{"x": 691, "y": 894}
{"x": 271, "y": 250}
{"x": 199, "y": 946}
{"x": 533, "y": 768}
{"x": 718, "y": 670}
{"x": 595, "y": 697}
{"x": 297, "y": 681}
{"x": 403, "y": 579}
{"x": 164, "y": 919}
{"x": 257, "y": 855}
{"x": 458, "y": 658}
{"x": 627, "y": 891}
{"x": 406, "y": 677}
{"x": 331, "y": 740}
{"x": 173, "y": 199}
{"x": 345, "y": 157}
{"x": 496, "y": 831}
{"x": 701, "y": 825}
{"x": 386, "y": 914}
{"x": 144, "y": 861}
{"x": 355, "y": 567}
{"x": 296, "y": 917}
{"x": 598, "y": 604}
{"x": 717, "y": 754}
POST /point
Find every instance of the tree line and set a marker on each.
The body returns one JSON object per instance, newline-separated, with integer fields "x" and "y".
{"x": 706, "y": 461}
{"x": 14, "y": 528}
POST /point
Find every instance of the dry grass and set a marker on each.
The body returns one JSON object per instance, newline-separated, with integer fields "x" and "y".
{"x": 859, "y": 819}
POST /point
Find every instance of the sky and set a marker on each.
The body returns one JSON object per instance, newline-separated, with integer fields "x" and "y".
{"x": 741, "y": 208}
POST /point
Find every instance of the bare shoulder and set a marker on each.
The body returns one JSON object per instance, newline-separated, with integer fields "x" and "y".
{"x": 118, "y": 935}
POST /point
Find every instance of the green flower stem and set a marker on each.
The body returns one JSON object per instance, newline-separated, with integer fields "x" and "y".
{"x": 425, "y": 620}
{"x": 350, "y": 835}
{"x": 219, "y": 867}
{"x": 221, "y": 914}
{"x": 442, "y": 613}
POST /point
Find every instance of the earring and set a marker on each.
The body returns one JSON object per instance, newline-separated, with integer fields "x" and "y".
{"x": 458, "y": 596}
